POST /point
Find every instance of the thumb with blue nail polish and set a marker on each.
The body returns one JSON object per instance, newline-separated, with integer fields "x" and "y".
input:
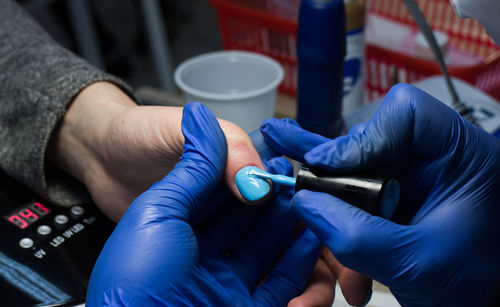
{"x": 251, "y": 187}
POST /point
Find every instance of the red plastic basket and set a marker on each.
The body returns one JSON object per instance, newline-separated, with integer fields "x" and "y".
{"x": 252, "y": 25}
{"x": 465, "y": 34}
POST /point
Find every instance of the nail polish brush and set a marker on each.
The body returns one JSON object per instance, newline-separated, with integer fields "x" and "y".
{"x": 376, "y": 195}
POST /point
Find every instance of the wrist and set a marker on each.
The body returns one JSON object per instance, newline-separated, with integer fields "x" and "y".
{"x": 74, "y": 145}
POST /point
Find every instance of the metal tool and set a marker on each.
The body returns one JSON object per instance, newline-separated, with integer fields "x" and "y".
{"x": 426, "y": 30}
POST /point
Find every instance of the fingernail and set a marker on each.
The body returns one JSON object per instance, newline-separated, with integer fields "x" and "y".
{"x": 368, "y": 298}
{"x": 250, "y": 187}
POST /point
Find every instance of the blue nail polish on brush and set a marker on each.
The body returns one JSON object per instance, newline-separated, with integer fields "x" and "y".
{"x": 252, "y": 184}
{"x": 375, "y": 195}
{"x": 280, "y": 179}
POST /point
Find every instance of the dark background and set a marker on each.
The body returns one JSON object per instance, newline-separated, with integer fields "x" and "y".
{"x": 191, "y": 27}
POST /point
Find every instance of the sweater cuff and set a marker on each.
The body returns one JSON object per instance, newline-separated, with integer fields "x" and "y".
{"x": 47, "y": 180}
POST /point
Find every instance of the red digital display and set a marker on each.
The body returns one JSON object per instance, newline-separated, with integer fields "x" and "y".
{"x": 27, "y": 215}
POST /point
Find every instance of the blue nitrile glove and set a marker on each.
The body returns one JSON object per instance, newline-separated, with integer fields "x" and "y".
{"x": 444, "y": 249}
{"x": 184, "y": 242}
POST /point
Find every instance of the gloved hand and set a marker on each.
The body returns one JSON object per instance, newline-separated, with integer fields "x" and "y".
{"x": 184, "y": 242}
{"x": 286, "y": 137}
{"x": 441, "y": 249}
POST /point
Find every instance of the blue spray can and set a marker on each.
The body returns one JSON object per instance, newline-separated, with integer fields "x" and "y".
{"x": 321, "y": 48}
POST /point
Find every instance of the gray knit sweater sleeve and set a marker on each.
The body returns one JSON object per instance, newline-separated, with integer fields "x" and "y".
{"x": 38, "y": 79}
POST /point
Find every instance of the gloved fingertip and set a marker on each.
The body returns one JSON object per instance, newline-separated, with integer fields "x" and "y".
{"x": 345, "y": 153}
{"x": 276, "y": 128}
{"x": 290, "y": 121}
{"x": 279, "y": 165}
{"x": 268, "y": 123}
{"x": 203, "y": 134}
{"x": 194, "y": 105}
{"x": 198, "y": 109}
{"x": 203, "y": 158}
{"x": 319, "y": 156}
{"x": 313, "y": 156}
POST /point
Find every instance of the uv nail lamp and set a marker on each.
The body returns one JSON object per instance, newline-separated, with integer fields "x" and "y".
{"x": 46, "y": 252}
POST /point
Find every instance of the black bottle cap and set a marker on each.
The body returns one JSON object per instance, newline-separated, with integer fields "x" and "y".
{"x": 375, "y": 195}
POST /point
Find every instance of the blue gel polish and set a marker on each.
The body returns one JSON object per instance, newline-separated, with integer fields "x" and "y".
{"x": 251, "y": 182}
{"x": 280, "y": 179}
{"x": 377, "y": 196}
{"x": 251, "y": 187}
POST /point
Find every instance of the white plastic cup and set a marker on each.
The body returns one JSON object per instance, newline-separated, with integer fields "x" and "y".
{"x": 237, "y": 86}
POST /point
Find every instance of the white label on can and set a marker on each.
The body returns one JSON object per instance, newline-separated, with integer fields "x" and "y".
{"x": 353, "y": 71}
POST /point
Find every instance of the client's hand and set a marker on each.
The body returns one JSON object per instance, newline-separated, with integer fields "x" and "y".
{"x": 166, "y": 251}
{"x": 118, "y": 149}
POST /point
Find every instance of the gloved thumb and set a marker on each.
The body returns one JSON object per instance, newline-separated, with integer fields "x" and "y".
{"x": 288, "y": 138}
{"x": 199, "y": 170}
{"x": 370, "y": 245}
